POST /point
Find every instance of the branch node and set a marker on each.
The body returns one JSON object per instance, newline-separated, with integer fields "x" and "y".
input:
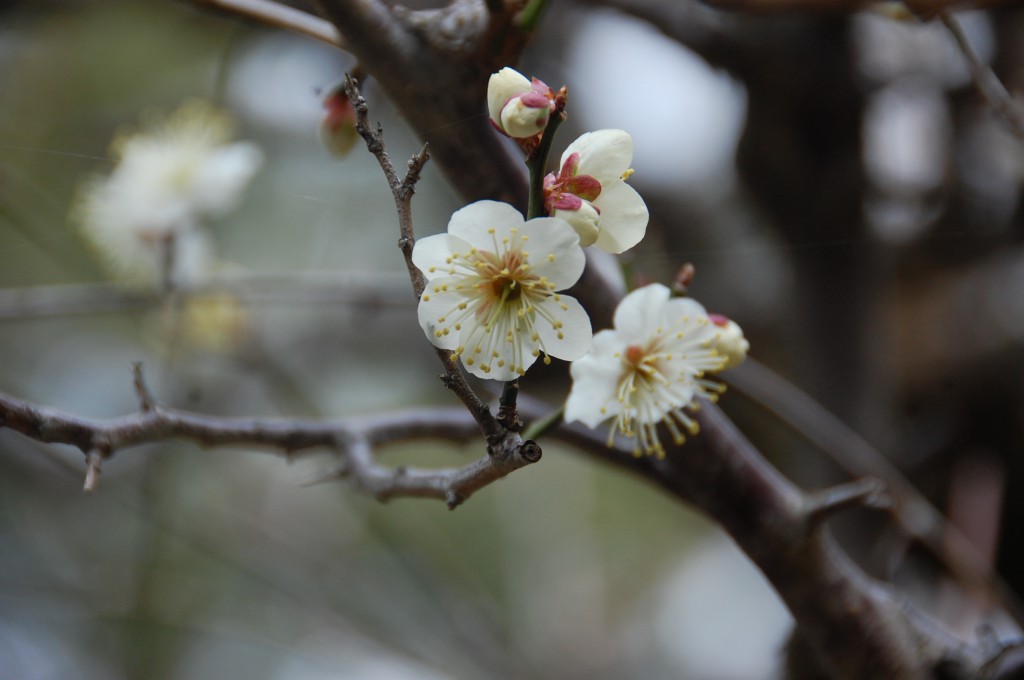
{"x": 453, "y": 499}
{"x": 530, "y": 451}
{"x": 507, "y": 413}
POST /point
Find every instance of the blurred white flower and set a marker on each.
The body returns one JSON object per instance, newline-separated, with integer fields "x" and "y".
{"x": 491, "y": 294}
{"x": 590, "y": 192}
{"x": 647, "y": 370}
{"x": 169, "y": 177}
{"x": 518, "y": 107}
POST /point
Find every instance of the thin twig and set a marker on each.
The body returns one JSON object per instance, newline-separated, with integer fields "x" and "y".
{"x": 402, "y": 190}
{"x": 985, "y": 79}
{"x": 93, "y": 461}
{"x": 142, "y": 393}
{"x": 282, "y": 16}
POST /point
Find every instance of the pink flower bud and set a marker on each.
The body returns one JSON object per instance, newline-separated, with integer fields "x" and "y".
{"x": 338, "y": 127}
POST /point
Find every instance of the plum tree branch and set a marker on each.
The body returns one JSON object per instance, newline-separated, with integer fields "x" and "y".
{"x": 860, "y": 628}
{"x": 402, "y": 190}
{"x": 354, "y": 438}
{"x": 277, "y": 14}
{"x": 986, "y": 81}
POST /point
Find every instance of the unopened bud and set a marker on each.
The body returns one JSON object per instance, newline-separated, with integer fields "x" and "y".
{"x": 729, "y": 341}
{"x": 518, "y": 107}
{"x": 338, "y": 126}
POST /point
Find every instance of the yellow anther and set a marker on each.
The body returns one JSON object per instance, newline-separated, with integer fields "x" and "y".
{"x": 627, "y": 174}
{"x": 426, "y": 298}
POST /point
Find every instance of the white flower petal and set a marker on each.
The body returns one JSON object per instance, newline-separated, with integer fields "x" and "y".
{"x": 640, "y": 312}
{"x": 219, "y": 181}
{"x": 501, "y": 87}
{"x": 439, "y": 313}
{"x": 584, "y": 222}
{"x": 572, "y": 337}
{"x": 521, "y": 121}
{"x": 554, "y": 251}
{"x": 432, "y": 254}
{"x": 474, "y": 222}
{"x": 604, "y": 154}
{"x": 624, "y": 218}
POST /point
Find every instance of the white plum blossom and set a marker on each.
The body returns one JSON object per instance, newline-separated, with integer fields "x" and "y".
{"x": 647, "y": 370}
{"x": 491, "y": 296}
{"x": 590, "y": 192}
{"x": 170, "y": 176}
{"x": 518, "y": 107}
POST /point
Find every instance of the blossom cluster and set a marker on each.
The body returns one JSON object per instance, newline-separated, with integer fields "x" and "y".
{"x": 494, "y": 279}
{"x": 494, "y": 295}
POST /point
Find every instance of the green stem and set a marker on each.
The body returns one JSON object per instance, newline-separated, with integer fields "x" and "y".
{"x": 537, "y": 163}
{"x": 539, "y": 427}
{"x": 530, "y": 15}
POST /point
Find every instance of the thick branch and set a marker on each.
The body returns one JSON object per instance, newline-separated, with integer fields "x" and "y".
{"x": 440, "y": 94}
{"x": 354, "y": 438}
{"x": 282, "y": 16}
{"x": 917, "y": 518}
{"x": 859, "y": 627}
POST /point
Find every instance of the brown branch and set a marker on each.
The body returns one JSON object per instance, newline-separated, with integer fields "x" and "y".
{"x": 440, "y": 93}
{"x": 860, "y": 628}
{"x": 353, "y": 438}
{"x": 986, "y": 81}
{"x": 282, "y": 16}
{"x": 916, "y": 517}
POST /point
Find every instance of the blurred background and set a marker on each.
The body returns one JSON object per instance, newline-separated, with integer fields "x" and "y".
{"x": 842, "y": 190}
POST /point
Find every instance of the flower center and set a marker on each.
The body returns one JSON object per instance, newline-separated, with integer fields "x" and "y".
{"x": 567, "y": 190}
{"x": 634, "y": 355}
{"x": 506, "y": 288}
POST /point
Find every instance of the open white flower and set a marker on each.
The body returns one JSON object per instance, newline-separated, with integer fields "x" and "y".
{"x": 172, "y": 175}
{"x": 647, "y": 370}
{"x": 590, "y": 191}
{"x": 518, "y": 107}
{"x": 491, "y": 293}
